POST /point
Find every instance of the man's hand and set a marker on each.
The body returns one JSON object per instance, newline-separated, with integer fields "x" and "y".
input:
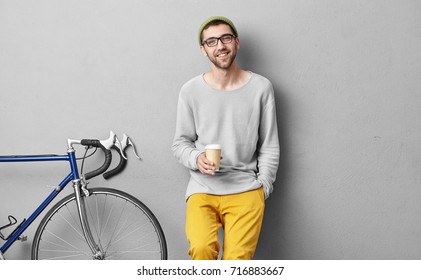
{"x": 205, "y": 166}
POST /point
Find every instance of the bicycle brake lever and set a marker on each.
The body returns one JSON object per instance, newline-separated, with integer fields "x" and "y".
{"x": 120, "y": 148}
{"x": 108, "y": 143}
{"x": 128, "y": 142}
{"x": 113, "y": 141}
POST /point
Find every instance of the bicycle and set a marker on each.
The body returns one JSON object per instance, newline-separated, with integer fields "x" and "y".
{"x": 97, "y": 223}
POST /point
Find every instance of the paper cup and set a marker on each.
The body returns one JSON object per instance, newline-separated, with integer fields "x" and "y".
{"x": 213, "y": 153}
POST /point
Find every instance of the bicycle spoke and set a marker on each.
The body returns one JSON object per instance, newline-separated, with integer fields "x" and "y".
{"x": 122, "y": 227}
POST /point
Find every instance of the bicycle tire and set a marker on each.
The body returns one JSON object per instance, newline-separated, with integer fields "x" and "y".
{"x": 122, "y": 226}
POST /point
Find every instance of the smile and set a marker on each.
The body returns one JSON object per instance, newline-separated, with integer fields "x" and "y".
{"x": 222, "y": 54}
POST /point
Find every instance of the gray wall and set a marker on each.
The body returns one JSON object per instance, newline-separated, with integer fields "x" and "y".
{"x": 346, "y": 75}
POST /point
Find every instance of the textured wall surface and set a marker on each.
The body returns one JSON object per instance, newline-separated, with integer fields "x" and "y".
{"x": 346, "y": 76}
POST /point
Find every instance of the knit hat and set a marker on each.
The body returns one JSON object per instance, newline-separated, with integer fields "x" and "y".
{"x": 216, "y": 18}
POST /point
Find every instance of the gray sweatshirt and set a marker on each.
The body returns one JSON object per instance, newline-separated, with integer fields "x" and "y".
{"x": 242, "y": 121}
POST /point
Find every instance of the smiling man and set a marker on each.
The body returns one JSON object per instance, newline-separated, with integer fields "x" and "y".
{"x": 236, "y": 109}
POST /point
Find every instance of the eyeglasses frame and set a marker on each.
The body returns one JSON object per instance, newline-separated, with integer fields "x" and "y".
{"x": 232, "y": 36}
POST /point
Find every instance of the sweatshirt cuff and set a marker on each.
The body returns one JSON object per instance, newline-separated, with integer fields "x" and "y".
{"x": 266, "y": 184}
{"x": 193, "y": 159}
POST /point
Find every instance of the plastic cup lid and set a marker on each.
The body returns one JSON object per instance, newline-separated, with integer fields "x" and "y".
{"x": 213, "y": 147}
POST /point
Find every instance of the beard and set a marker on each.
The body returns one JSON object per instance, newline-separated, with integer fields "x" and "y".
{"x": 225, "y": 62}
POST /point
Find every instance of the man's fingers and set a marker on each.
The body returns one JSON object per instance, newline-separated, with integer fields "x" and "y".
{"x": 205, "y": 166}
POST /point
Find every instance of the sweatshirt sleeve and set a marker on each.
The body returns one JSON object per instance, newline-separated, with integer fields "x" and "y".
{"x": 268, "y": 147}
{"x": 183, "y": 147}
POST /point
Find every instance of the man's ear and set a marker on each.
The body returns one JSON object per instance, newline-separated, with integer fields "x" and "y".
{"x": 202, "y": 49}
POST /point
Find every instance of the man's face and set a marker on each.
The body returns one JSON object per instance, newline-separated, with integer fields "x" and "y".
{"x": 222, "y": 55}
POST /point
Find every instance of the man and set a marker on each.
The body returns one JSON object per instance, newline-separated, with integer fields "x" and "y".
{"x": 236, "y": 109}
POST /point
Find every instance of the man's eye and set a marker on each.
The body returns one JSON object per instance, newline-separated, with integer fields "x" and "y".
{"x": 211, "y": 41}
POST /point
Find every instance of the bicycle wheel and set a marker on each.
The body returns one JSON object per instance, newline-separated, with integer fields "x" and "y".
{"x": 122, "y": 226}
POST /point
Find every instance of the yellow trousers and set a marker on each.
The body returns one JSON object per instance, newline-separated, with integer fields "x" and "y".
{"x": 240, "y": 215}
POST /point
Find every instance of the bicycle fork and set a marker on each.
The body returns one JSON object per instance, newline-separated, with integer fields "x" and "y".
{"x": 81, "y": 207}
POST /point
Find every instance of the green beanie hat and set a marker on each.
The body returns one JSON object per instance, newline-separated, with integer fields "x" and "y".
{"x": 216, "y": 18}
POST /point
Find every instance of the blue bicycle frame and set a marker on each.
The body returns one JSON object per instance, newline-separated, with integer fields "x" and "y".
{"x": 73, "y": 175}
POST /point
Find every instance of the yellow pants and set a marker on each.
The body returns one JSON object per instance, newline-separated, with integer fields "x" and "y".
{"x": 240, "y": 215}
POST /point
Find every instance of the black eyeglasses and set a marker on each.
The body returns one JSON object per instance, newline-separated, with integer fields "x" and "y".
{"x": 213, "y": 41}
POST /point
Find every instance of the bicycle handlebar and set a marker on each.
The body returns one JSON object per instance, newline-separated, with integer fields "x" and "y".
{"x": 121, "y": 165}
{"x": 106, "y": 145}
{"x": 107, "y": 161}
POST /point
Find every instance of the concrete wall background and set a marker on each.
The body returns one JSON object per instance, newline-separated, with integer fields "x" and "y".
{"x": 346, "y": 75}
